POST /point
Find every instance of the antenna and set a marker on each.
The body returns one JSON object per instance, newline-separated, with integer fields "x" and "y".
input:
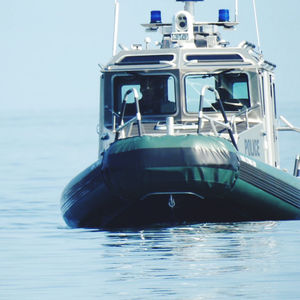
{"x": 256, "y": 25}
{"x": 236, "y": 10}
{"x": 116, "y": 27}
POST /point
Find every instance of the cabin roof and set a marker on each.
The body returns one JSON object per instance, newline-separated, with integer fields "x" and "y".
{"x": 187, "y": 59}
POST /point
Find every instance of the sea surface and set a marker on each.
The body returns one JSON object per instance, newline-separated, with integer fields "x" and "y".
{"x": 41, "y": 258}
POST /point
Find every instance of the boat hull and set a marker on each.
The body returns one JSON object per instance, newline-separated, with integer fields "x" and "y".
{"x": 175, "y": 179}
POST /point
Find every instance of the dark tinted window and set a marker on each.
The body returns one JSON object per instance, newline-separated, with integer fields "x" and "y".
{"x": 156, "y": 94}
{"x": 215, "y": 57}
{"x": 145, "y": 59}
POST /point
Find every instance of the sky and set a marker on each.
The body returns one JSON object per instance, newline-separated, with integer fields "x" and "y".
{"x": 50, "y": 50}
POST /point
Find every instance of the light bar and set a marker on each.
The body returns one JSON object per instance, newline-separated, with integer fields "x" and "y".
{"x": 189, "y": 0}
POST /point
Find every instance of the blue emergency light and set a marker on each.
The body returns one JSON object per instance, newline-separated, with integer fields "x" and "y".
{"x": 155, "y": 16}
{"x": 224, "y": 15}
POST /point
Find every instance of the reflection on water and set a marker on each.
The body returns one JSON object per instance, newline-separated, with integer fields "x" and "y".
{"x": 40, "y": 258}
{"x": 209, "y": 260}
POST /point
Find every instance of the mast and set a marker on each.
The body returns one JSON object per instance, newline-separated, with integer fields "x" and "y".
{"x": 116, "y": 27}
{"x": 190, "y": 7}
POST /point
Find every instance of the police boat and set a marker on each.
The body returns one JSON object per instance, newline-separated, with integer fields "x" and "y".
{"x": 188, "y": 133}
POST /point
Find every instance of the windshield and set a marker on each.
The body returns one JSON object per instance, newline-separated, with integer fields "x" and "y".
{"x": 232, "y": 87}
{"x": 156, "y": 94}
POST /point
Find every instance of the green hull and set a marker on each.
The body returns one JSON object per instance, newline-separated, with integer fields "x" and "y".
{"x": 174, "y": 179}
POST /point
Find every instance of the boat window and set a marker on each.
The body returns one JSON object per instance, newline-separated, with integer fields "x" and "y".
{"x": 214, "y": 57}
{"x": 233, "y": 89}
{"x": 145, "y": 59}
{"x": 156, "y": 94}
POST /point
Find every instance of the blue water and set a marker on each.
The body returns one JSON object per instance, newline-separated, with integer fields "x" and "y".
{"x": 41, "y": 258}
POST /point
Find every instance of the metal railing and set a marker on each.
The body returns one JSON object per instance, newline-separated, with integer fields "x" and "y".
{"x": 137, "y": 118}
{"x": 288, "y": 126}
{"x": 229, "y": 125}
{"x": 201, "y": 116}
{"x": 244, "y": 112}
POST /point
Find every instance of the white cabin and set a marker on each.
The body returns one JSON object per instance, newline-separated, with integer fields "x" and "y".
{"x": 162, "y": 88}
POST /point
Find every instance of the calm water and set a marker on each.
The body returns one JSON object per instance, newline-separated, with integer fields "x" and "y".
{"x": 40, "y": 258}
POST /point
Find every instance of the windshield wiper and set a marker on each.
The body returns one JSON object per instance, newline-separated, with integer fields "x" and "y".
{"x": 217, "y": 73}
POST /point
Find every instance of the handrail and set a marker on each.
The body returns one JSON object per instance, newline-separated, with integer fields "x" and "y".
{"x": 245, "y": 111}
{"x": 200, "y": 115}
{"x": 124, "y": 125}
{"x": 137, "y": 117}
{"x": 241, "y": 113}
{"x": 288, "y": 127}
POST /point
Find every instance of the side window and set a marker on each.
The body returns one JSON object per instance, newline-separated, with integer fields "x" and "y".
{"x": 274, "y": 98}
{"x": 273, "y": 94}
{"x": 171, "y": 90}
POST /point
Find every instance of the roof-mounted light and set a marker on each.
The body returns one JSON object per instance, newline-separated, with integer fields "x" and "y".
{"x": 155, "y": 16}
{"x": 224, "y": 15}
